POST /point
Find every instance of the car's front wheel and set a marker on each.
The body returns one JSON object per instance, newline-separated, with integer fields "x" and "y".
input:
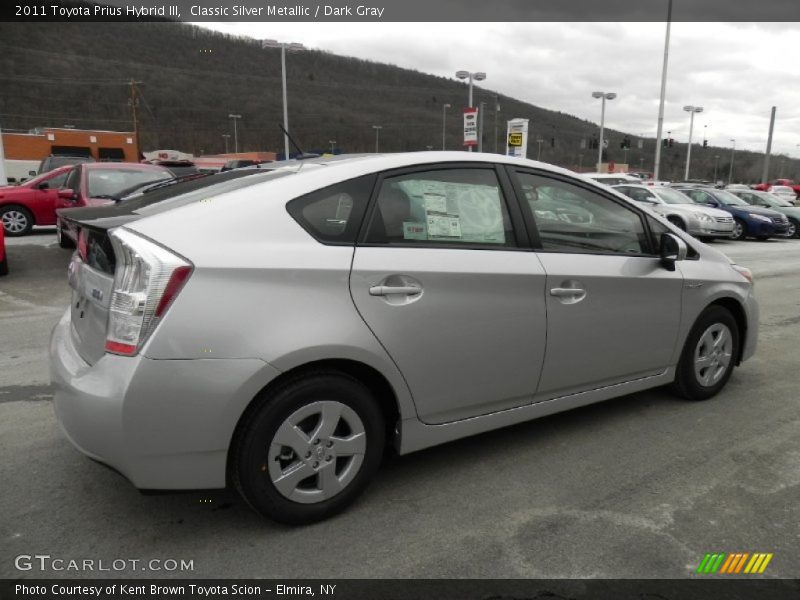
{"x": 16, "y": 220}
{"x": 793, "y": 229}
{"x": 739, "y": 230}
{"x": 307, "y": 448}
{"x": 709, "y": 355}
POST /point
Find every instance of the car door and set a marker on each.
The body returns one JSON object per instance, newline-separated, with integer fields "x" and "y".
{"x": 613, "y": 310}
{"x": 442, "y": 279}
{"x": 47, "y": 198}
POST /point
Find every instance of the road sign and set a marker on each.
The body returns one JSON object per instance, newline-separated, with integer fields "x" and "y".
{"x": 470, "y": 126}
{"x": 517, "y": 138}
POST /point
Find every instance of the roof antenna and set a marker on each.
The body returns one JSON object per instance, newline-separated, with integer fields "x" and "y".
{"x": 300, "y": 154}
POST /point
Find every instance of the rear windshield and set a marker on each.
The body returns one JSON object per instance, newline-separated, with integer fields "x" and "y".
{"x": 104, "y": 183}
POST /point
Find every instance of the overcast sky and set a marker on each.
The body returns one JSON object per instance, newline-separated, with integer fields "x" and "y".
{"x": 736, "y": 72}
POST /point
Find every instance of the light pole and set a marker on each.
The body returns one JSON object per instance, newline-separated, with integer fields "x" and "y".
{"x": 539, "y": 152}
{"x": 235, "y": 132}
{"x": 377, "y": 129}
{"x": 292, "y": 47}
{"x": 480, "y": 126}
{"x": 580, "y": 162}
{"x": 692, "y": 110}
{"x": 444, "y": 121}
{"x": 226, "y": 137}
{"x": 730, "y": 173}
{"x": 716, "y": 165}
{"x": 603, "y": 96}
{"x": 478, "y": 76}
{"x": 333, "y": 145}
{"x": 660, "y": 127}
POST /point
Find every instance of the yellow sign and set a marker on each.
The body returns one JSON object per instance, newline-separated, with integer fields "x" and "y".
{"x": 515, "y": 138}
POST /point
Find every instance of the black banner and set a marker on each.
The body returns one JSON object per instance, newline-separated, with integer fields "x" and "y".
{"x": 397, "y": 11}
{"x": 738, "y": 588}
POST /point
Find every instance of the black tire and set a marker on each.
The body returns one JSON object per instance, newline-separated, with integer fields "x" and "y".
{"x": 743, "y": 232}
{"x": 677, "y": 222}
{"x": 22, "y": 213}
{"x": 63, "y": 240}
{"x": 4, "y": 266}
{"x": 796, "y": 225}
{"x": 687, "y": 384}
{"x": 249, "y": 466}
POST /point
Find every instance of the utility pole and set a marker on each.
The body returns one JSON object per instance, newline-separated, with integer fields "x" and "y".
{"x": 765, "y": 172}
{"x": 659, "y": 129}
{"x": 480, "y": 126}
{"x": 134, "y": 101}
{"x": 496, "y": 110}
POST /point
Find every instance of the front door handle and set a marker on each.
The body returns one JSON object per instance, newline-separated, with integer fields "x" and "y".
{"x": 385, "y": 290}
{"x": 567, "y": 292}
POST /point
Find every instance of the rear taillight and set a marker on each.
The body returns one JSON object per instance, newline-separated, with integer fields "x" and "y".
{"x": 83, "y": 244}
{"x": 148, "y": 277}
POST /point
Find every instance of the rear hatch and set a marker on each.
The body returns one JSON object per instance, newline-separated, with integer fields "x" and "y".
{"x": 91, "y": 277}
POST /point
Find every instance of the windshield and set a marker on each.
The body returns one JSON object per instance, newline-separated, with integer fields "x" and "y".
{"x": 54, "y": 181}
{"x": 108, "y": 183}
{"x": 728, "y": 198}
{"x": 671, "y": 196}
{"x": 781, "y": 189}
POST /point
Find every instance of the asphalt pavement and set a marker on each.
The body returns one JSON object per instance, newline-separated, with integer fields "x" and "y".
{"x": 640, "y": 486}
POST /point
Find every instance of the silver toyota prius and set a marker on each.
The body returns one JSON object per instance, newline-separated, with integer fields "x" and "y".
{"x": 277, "y": 337}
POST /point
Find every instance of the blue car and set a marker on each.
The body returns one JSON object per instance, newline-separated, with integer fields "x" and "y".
{"x": 748, "y": 221}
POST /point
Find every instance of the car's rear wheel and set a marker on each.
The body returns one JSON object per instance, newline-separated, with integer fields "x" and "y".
{"x": 709, "y": 355}
{"x": 17, "y": 220}
{"x": 739, "y": 229}
{"x": 306, "y": 449}
{"x": 793, "y": 229}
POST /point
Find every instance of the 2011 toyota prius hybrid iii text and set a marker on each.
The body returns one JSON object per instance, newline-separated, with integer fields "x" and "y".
{"x": 406, "y": 299}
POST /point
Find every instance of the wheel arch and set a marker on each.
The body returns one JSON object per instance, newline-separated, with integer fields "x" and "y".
{"x": 378, "y": 385}
{"x": 736, "y": 309}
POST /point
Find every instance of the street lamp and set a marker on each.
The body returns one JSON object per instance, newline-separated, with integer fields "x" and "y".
{"x": 479, "y": 76}
{"x": 235, "y": 131}
{"x": 333, "y": 145}
{"x": 377, "y": 129}
{"x": 226, "y": 137}
{"x": 293, "y": 47}
{"x": 603, "y": 96}
{"x": 539, "y": 152}
{"x": 444, "y": 110}
{"x": 692, "y": 110}
{"x": 730, "y": 173}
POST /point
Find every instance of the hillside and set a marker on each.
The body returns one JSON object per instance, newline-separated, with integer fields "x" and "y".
{"x": 53, "y": 74}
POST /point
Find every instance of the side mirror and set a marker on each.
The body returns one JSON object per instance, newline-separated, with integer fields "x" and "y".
{"x": 673, "y": 249}
{"x": 32, "y": 173}
{"x": 66, "y": 194}
{"x": 43, "y": 186}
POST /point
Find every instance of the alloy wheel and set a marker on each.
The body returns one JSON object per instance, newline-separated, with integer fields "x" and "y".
{"x": 713, "y": 354}
{"x": 316, "y": 452}
{"x": 14, "y": 221}
{"x": 738, "y": 230}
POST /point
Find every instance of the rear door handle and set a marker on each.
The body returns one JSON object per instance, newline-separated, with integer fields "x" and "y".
{"x": 385, "y": 290}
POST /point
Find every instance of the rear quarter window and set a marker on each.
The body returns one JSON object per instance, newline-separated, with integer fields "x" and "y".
{"x": 333, "y": 215}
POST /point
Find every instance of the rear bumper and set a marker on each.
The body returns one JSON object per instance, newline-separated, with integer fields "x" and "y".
{"x": 163, "y": 424}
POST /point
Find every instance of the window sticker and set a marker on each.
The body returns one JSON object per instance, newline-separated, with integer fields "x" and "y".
{"x": 413, "y": 230}
{"x": 443, "y": 227}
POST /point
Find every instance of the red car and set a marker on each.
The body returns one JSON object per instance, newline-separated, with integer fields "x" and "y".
{"x": 765, "y": 187}
{"x": 32, "y": 203}
{"x": 96, "y": 184}
{"x": 3, "y": 258}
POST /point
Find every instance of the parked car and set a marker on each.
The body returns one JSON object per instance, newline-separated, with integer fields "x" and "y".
{"x": 767, "y": 186}
{"x": 55, "y": 161}
{"x": 179, "y": 168}
{"x": 613, "y": 178}
{"x": 748, "y": 221}
{"x": 783, "y": 191}
{"x": 31, "y": 203}
{"x": 679, "y": 209}
{"x": 736, "y": 186}
{"x": 768, "y": 200}
{"x": 97, "y": 184}
{"x": 239, "y": 163}
{"x": 410, "y": 299}
{"x": 3, "y": 257}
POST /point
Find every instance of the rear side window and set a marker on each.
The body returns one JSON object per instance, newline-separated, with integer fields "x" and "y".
{"x": 333, "y": 214}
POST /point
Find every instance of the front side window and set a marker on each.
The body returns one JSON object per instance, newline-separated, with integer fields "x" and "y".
{"x": 571, "y": 218}
{"x": 459, "y": 206}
